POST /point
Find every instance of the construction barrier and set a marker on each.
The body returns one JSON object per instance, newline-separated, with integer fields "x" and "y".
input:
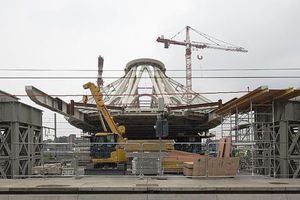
{"x": 215, "y": 159}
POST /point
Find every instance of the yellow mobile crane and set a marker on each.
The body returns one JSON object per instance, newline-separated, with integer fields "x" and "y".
{"x": 107, "y": 151}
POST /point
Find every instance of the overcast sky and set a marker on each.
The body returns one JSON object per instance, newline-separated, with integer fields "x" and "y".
{"x": 70, "y": 34}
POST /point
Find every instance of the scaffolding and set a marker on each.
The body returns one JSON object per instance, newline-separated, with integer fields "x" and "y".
{"x": 264, "y": 124}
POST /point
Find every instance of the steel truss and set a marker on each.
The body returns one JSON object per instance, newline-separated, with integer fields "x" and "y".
{"x": 20, "y": 139}
{"x": 286, "y": 137}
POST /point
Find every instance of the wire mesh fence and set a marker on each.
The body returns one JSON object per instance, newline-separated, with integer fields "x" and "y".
{"x": 142, "y": 159}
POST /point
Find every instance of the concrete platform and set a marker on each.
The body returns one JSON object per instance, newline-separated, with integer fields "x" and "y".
{"x": 99, "y": 187}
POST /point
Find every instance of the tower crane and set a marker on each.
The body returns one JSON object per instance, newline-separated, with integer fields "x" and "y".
{"x": 213, "y": 43}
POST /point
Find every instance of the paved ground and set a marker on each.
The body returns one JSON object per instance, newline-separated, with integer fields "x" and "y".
{"x": 105, "y": 183}
{"x": 99, "y": 187}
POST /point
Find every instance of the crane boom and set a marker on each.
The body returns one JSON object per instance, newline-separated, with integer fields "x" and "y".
{"x": 98, "y": 97}
{"x": 201, "y": 45}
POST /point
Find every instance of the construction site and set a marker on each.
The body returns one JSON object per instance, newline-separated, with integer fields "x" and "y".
{"x": 151, "y": 141}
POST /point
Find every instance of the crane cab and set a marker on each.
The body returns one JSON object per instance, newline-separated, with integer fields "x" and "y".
{"x": 105, "y": 151}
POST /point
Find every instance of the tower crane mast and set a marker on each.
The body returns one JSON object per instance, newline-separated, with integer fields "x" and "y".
{"x": 214, "y": 44}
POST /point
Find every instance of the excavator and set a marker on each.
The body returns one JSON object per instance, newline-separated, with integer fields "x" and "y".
{"x": 107, "y": 147}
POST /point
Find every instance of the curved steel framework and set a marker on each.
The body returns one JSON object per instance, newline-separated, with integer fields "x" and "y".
{"x": 127, "y": 91}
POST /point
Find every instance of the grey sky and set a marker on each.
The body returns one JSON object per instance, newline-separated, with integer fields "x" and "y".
{"x": 72, "y": 33}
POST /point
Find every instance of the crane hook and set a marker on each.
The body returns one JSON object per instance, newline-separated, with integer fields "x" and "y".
{"x": 199, "y": 57}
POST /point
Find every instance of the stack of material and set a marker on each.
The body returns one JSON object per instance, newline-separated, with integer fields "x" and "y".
{"x": 197, "y": 168}
{"x": 145, "y": 155}
{"x": 146, "y": 163}
{"x": 223, "y": 165}
{"x": 67, "y": 171}
{"x": 224, "y": 147}
{"x": 149, "y": 145}
{"x": 200, "y": 167}
{"x": 173, "y": 161}
{"x": 48, "y": 169}
{"x": 220, "y": 167}
{"x": 188, "y": 168}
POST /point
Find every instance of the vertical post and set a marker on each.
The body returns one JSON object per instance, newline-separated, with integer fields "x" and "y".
{"x": 230, "y": 125}
{"x": 252, "y": 121}
{"x": 55, "y": 128}
{"x": 222, "y": 125}
{"x": 76, "y": 149}
{"x": 140, "y": 159}
{"x": 161, "y": 105}
{"x": 274, "y": 140}
{"x": 30, "y": 152}
{"x": 270, "y": 160}
{"x": 188, "y": 62}
{"x": 15, "y": 142}
{"x": 252, "y": 157}
{"x": 283, "y": 149}
{"x": 160, "y": 160}
{"x": 236, "y": 124}
{"x": 100, "y": 71}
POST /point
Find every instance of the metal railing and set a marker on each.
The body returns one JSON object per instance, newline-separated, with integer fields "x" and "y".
{"x": 142, "y": 159}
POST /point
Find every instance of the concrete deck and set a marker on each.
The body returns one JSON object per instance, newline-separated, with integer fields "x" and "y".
{"x": 99, "y": 187}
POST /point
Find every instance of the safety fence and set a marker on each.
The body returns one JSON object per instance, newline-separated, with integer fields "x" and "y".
{"x": 139, "y": 159}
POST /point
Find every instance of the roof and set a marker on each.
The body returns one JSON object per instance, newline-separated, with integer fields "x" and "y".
{"x": 261, "y": 95}
{"x": 4, "y": 96}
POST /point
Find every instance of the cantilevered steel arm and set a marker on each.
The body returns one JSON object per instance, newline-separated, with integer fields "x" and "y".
{"x": 56, "y": 105}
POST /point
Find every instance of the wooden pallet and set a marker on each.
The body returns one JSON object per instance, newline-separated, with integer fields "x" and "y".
{"x": 149, "y": 145}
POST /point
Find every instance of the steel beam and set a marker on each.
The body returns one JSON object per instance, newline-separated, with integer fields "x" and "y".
{"x": 57, "y": 105}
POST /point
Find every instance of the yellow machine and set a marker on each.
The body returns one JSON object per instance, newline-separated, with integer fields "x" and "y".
{"x": 106, "y": 147}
